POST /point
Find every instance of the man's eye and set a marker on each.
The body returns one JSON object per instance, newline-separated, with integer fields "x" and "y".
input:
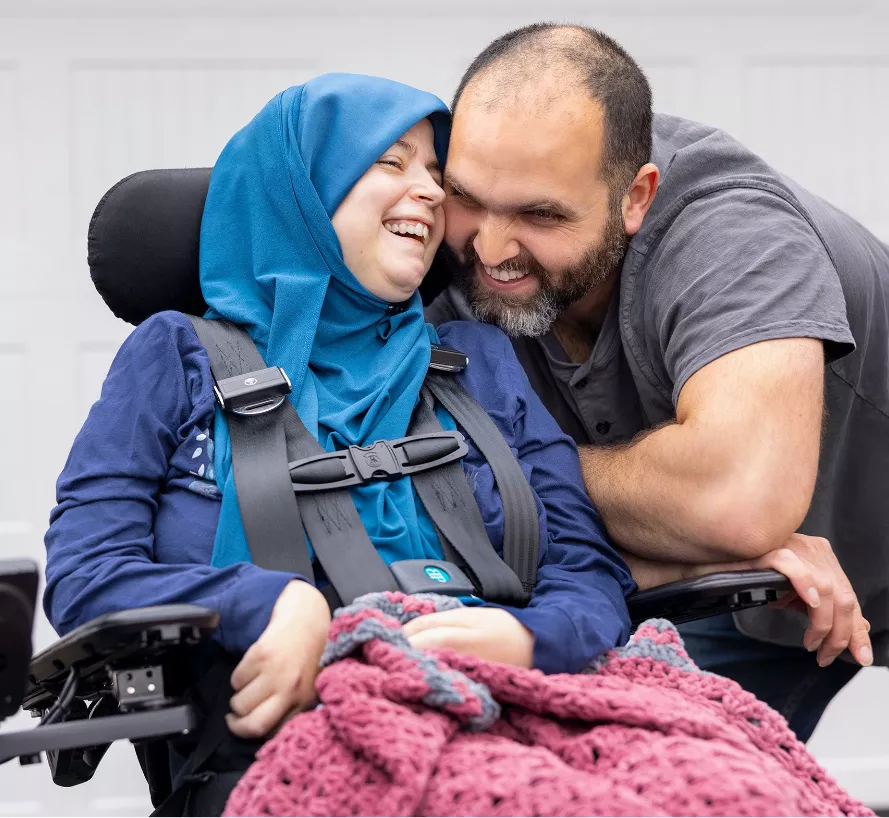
{"x": 453, "y": 193}
{"x": 545, "y": 215}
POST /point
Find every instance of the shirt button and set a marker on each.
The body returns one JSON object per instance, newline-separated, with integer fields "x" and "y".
{"x": 581, "y": 384}
{"x": 602, "y": 427}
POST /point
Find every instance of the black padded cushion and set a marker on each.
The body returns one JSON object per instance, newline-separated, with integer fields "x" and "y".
{"x": 143, "y": 240}
{"x": 142, "y": 245}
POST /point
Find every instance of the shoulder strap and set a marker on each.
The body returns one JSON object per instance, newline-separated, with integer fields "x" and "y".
{"x": 264, "y": 444}
{"x": 521, "y": 537}
{"x": 259, "y": 458}
{"x": 262, "y": 447}
{"x": 448, "y": 499}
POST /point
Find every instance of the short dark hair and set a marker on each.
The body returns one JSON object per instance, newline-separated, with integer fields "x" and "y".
{"x": 611, "y": 77}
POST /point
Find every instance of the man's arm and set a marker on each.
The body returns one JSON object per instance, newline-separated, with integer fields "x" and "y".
{"x": 733, "y": 476}
{"x": 725, "y": 487}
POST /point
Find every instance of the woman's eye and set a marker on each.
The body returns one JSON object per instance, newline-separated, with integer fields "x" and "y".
{"x": 392, "y": 163}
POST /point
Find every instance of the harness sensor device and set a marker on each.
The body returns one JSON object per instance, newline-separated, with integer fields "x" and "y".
{"x": 432, "y": 577}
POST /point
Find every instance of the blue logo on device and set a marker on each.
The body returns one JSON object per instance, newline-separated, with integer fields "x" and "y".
{"x": 436, "y": 574}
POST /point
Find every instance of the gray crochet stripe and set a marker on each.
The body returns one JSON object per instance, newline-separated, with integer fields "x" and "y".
{"x": 442, "y": 683}
{"x": 661, "y": 625}
{"x": 646, "y": 648}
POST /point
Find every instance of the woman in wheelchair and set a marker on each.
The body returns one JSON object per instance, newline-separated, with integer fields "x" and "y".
{"x": 323, "y": 216}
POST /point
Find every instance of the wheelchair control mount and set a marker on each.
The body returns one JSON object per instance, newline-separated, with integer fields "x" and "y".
{"x": 118, "y": 663}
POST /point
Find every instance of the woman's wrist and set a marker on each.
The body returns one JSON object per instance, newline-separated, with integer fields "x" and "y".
{"x": 301, "y": 598}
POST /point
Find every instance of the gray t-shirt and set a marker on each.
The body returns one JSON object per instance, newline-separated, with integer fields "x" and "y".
{"x": 731, "y": 253}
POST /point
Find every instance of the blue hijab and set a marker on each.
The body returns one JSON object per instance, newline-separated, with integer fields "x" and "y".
{"x": 271, "y": 262}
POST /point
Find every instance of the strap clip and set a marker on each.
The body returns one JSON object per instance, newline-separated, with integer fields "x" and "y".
{"x": 445, "y": 359}
{"x": 381, "y": 460}
{"x": 253, "y": 393}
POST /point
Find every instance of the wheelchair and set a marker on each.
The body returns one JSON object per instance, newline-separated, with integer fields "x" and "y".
{"x": 124, "y": 675}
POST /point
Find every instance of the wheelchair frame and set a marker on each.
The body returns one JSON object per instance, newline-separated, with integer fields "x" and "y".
{"x": 124, "y": 665}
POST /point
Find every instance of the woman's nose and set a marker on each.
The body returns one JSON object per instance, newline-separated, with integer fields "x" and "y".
{"x": 428, "y": 192}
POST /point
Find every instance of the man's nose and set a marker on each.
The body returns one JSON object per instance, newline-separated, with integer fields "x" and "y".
{"x": 494, "y": 243}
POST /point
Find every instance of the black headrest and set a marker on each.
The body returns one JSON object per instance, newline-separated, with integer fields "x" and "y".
{"x": 142, "y": 245}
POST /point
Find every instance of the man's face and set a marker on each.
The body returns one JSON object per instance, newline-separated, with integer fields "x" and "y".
{"x": 529, "y": 214}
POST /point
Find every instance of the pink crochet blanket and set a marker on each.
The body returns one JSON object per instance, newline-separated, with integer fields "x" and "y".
{"x": 644, "y": 732}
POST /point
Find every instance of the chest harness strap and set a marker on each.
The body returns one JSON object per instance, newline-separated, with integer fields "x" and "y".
{"x": 286, "y": 483}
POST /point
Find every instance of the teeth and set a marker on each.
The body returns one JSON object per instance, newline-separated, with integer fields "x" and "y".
{"x": 503, "y": 275}
{"x": 408, "y": 228}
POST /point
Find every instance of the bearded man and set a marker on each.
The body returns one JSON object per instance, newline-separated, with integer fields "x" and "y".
{"x": 689, "y": 316}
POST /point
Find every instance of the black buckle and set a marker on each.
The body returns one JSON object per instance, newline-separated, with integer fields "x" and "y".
{"x": 445, "y": 359}
{"x": 432, "y": 577}
{"x": 253, "y": 393}
{"x": 381, "y": 460}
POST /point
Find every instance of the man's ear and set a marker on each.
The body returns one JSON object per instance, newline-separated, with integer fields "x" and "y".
{"x": 639, "y": 197}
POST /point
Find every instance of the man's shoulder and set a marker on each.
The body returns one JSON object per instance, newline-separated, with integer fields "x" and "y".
{"x": 694, "y": 159}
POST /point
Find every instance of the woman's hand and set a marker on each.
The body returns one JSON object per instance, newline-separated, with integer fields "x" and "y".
{"x": 488, "y": 633}
{"x": 276, "y": 676}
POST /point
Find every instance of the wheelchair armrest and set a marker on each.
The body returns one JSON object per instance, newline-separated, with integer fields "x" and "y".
{"x": 134, "y": 637}
{"x": 131, "y": 667}
{"x": 691, "y": 599}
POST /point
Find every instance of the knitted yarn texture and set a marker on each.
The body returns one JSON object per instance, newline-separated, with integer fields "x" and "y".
{"x": 644, "y": 732}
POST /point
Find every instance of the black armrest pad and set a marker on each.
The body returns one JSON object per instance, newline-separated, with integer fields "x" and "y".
{"x": 701, "y": 597}
{"x": 118, "y": 636}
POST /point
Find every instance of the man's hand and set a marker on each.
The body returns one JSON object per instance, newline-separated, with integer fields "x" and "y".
{"x": 488, "y": 633}
{"x": 820, "y": 588}
{"x": 277, "y": 674}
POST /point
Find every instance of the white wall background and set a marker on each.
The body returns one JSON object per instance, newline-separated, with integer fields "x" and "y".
{"x": 91, "y": 90}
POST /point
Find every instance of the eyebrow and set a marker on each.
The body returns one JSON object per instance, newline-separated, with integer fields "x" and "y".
{"x": 549, "y": 205}
{"x": 412, "y": 151}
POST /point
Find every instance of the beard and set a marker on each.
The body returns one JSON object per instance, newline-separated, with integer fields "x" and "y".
{"x": 534, "y": 315}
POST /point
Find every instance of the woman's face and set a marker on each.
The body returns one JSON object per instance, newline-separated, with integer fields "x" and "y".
{"x": 391, "y": 222}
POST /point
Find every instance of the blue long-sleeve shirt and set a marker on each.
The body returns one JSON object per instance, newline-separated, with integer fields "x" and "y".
{"x": 138, "y": 504}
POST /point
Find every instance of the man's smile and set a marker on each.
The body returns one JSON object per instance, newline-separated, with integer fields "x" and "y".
{"x": 514, "y": 281}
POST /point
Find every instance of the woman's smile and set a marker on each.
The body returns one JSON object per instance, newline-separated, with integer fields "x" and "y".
{"x": 411, "y": 229}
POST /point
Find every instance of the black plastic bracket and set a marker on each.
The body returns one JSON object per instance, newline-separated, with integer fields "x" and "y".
{"x": 138, "y": 688}
{"x": 168, "y": 721}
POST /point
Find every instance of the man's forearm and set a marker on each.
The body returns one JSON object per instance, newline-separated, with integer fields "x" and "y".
{"x": 665, "y": 497}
